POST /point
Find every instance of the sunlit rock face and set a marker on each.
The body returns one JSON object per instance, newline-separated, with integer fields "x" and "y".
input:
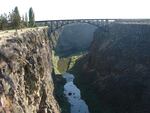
{"x": 26, "y": 85}
{"x": 118, "y": 67}
{"x": 74, "y": 96}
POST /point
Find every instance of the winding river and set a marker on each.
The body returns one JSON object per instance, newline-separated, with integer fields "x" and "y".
{"x": 73, "y": 95}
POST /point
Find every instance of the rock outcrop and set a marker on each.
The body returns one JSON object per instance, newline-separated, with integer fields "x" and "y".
{"x": 26, "y": 85}
{"x": 118, "y": 68}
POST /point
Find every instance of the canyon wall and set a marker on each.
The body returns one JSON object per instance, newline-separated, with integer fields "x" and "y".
{"x": 26, "y": 84}
{"x": 72, "y": 38}
{"x": 117, "y": 69}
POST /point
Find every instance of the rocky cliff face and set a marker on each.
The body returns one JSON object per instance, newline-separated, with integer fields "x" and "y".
{"x": 118, "y": 68}
{"x": 26, "y": 85}
{"x": 72, "y": 38}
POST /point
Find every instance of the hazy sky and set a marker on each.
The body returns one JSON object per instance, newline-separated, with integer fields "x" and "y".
{"x": 69, "y": 9}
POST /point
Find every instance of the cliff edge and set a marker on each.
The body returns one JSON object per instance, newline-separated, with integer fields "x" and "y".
{"x": 26, "y": 85}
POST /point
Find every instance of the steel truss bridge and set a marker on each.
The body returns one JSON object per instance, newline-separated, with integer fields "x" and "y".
{"x": 56, "y": 24}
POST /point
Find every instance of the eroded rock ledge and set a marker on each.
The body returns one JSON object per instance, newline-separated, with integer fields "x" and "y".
{"x": 26, "y": 85}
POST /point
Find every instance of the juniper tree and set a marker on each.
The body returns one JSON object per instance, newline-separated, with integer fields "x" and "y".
{"x": 15, "y": 18}
{"x": 31, "y": 18}
{"x": 3, "y": 22}
{"x": 26, "y": 20}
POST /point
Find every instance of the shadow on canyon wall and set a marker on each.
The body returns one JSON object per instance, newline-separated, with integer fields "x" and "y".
{"x": 114, "y": 77}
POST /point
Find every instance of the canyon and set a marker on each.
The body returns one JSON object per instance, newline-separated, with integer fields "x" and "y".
{"x": 116, "y": 70}
{"x": 110, "y": 65}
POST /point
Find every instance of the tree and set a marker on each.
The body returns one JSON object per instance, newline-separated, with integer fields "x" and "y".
{"x": 15, "y": 18}
{"x": 31, "y": 18}
{"x": 3, "y": 22}
{"x": 26, "y": 20}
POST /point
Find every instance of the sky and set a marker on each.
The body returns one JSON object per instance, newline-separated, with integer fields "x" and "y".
{"x": 79, "y": 9}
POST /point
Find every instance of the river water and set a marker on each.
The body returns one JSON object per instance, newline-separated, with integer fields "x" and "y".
{"x": 73, "y": 95}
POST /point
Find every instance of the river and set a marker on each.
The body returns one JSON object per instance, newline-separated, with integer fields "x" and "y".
{"x": 73, "y": 95}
